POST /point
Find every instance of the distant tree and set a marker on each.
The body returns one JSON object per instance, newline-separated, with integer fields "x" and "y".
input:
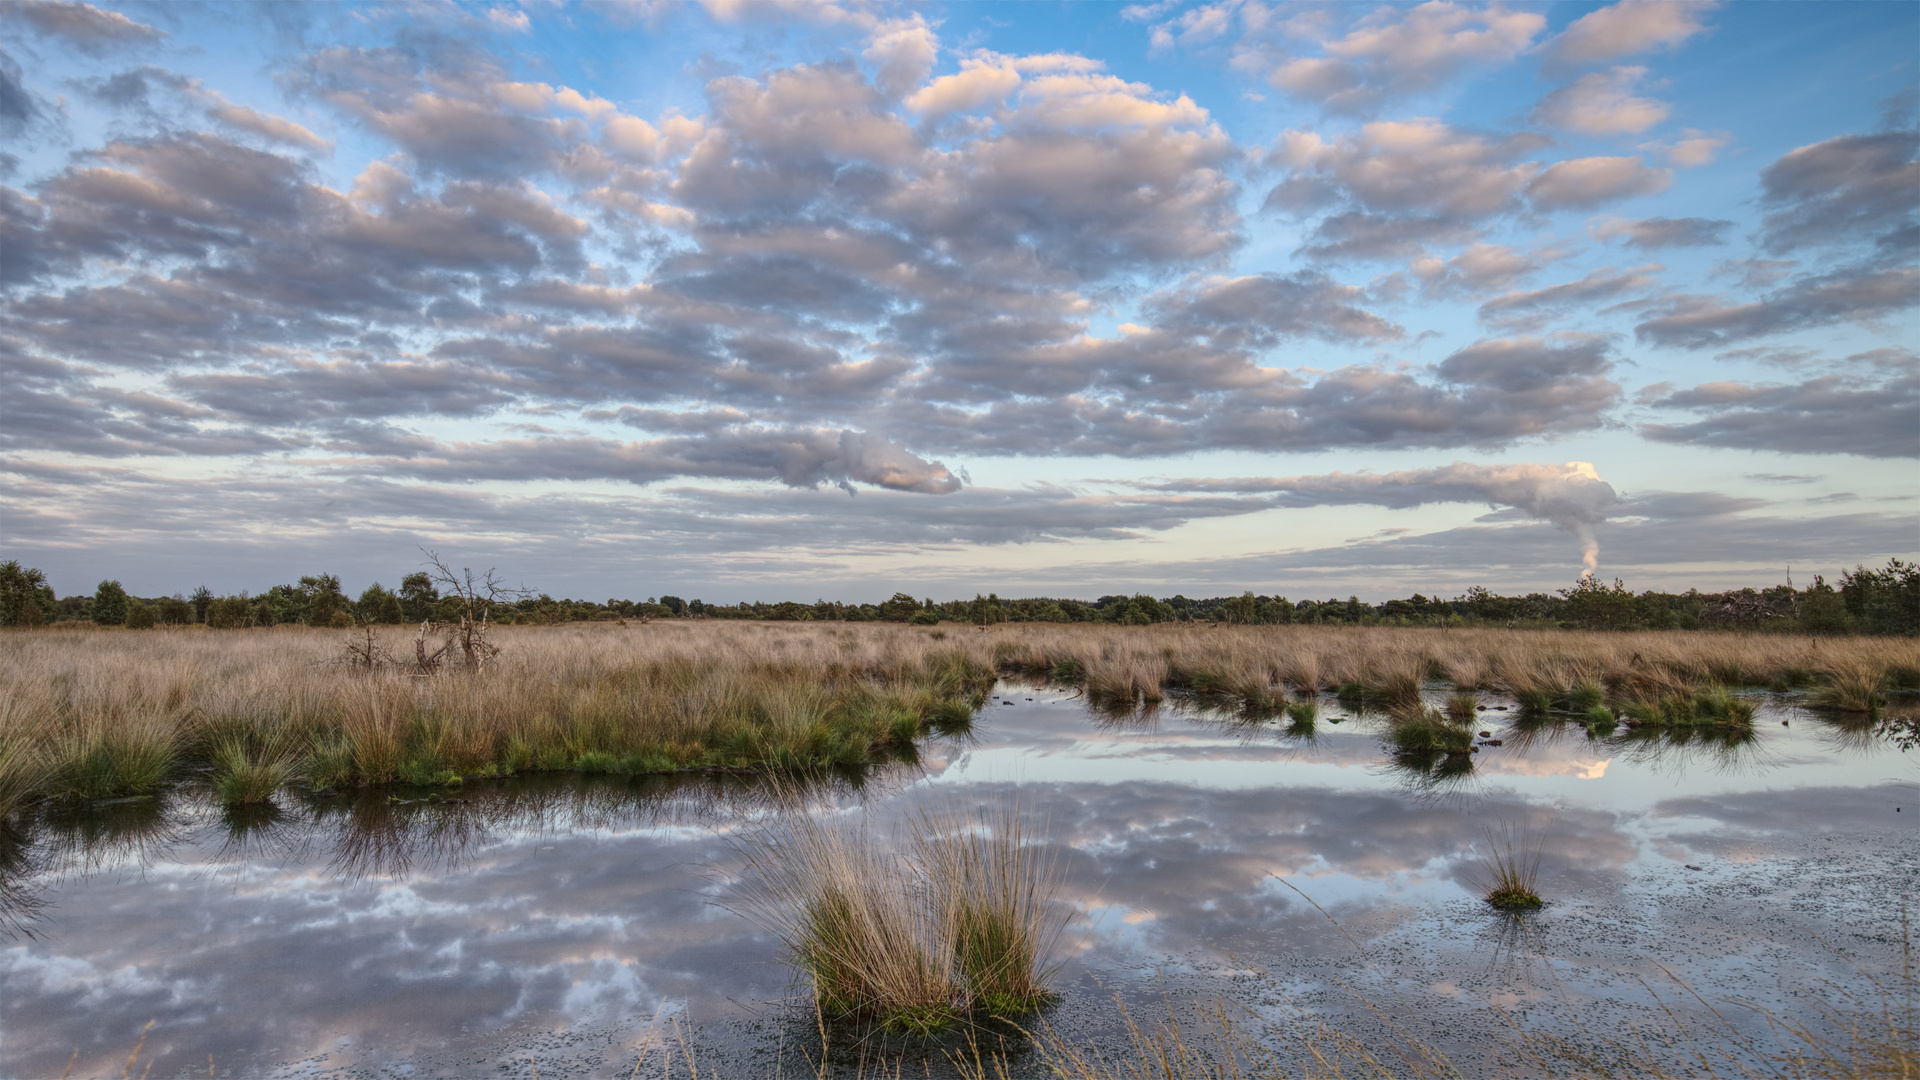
{"x": 229, "y": 613}
{"x": 1241, "y": 609}
{"x": 202, "y": 601}
{"x": 323, "y": 600}
{"x": 1591, "y": 605}
{"x": 377, "y": 605}
{"x": 173, "y": 611}
{"x": 986, "y": 610}
{"x": 24, "y": 596}
{"x": 140, "y": 615}
{"x": 1140, "y": 610}
{"x": 899, "y": 608}
{"x": 1884, "y": 601}
{"x": 418, "y": 595}
{"x": 110, "y": 604}
{"x": 675, "y": 605}
{"x": 1822, "y": 610}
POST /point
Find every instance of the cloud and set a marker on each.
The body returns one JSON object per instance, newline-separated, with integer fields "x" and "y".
{"x": 1581, "y": 183}
{"x": 1570, "y": 496}
{"x": 1653, "y": 233}
{"x": 1850, "y": 294}
{"x": 275, "y": 128}
{"x": 1601, "y": 103}
{"x": 1844, "y": 189}
{"x": 1604, "y": 284}
{"x": 17, "y": 105}
{"x": 1626, "y": 28}
{"x": 903, "y": 52}
{"x": 1401, "y": 166}
{"x": 801, "y": 458}
{"x": 1394, "y": 187}
{"x": 1392, "y": 53}
{"x": 1873, "y": 415}
{"x": 1477, "y": 269}
{"x": 83, "y": 26}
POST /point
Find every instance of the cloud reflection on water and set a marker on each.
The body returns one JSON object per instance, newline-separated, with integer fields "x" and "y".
{"x": 560, "y": 901}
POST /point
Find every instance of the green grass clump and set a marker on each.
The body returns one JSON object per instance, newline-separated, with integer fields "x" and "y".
{"x": 24, "y": 771}
{"x": 1461, "y": 705}
{"x": 1425, "y": 731}
{"x": 1712, "y": 707}
{"x": 995, "y": 885}
{"x": 1851, "y": 689}
{"x": 427, "y": 772}
{"x": 1533, "y": 700}
{"x": 914, "y": 941}
{"x": 1302, "y": 717}
{"x": 1584, "y": 697}
{"x": 133, "y": 762}
{"x": 248, "y": 775}
{"x": 1511, "y": 871}
{"x": 1600, "y": 720}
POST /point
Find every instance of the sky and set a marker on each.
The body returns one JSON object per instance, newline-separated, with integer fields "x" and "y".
{"x": 831, "y": 300}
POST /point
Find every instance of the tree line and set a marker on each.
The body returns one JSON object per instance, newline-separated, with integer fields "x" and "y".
{"x": 1882, "y": 600}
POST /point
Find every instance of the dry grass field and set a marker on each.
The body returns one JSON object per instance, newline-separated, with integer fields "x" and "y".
{"x": 92, "y": 713}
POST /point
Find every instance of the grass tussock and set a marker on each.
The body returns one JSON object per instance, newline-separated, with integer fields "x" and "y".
{"x": 1708, "y": 707}
{"x": 1853, "y": 688}
{"x": 1511, "y": 869}
{"x": 961, "y": 920}
{"x": 1422, "y": 731}
{"x": 247, "y": 773}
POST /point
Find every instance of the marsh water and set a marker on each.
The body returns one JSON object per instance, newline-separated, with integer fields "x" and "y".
{"x": 1208, "y": 857}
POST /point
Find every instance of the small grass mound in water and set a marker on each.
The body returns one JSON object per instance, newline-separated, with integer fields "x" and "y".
{"x": 1424, "y": 731}
{"x": 1461, "y": 705}
{"x": 247, "y": 775}
{"x": 995, "y": 886}
{"x": 1714, "y": 706}
{"x": 1851, "y": 689}
{"x": 962, "y": 920}
{"x": 1512, "y": 870}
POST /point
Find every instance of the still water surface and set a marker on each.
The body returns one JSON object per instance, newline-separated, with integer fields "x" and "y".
{"x": 563, "y": 918}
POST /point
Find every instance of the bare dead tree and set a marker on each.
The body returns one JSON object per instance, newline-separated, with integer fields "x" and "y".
{"x": 475, "y": 596}
{"x": 362, "y": 651}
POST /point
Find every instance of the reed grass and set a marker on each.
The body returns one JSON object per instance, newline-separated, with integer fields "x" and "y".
{"x": 248, "y": 774}
{"x": 961, "y": 919}
{"x": 995, "y": 883}
{"x": 1852, "y": 688}
{"x": 87, "y": 713}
